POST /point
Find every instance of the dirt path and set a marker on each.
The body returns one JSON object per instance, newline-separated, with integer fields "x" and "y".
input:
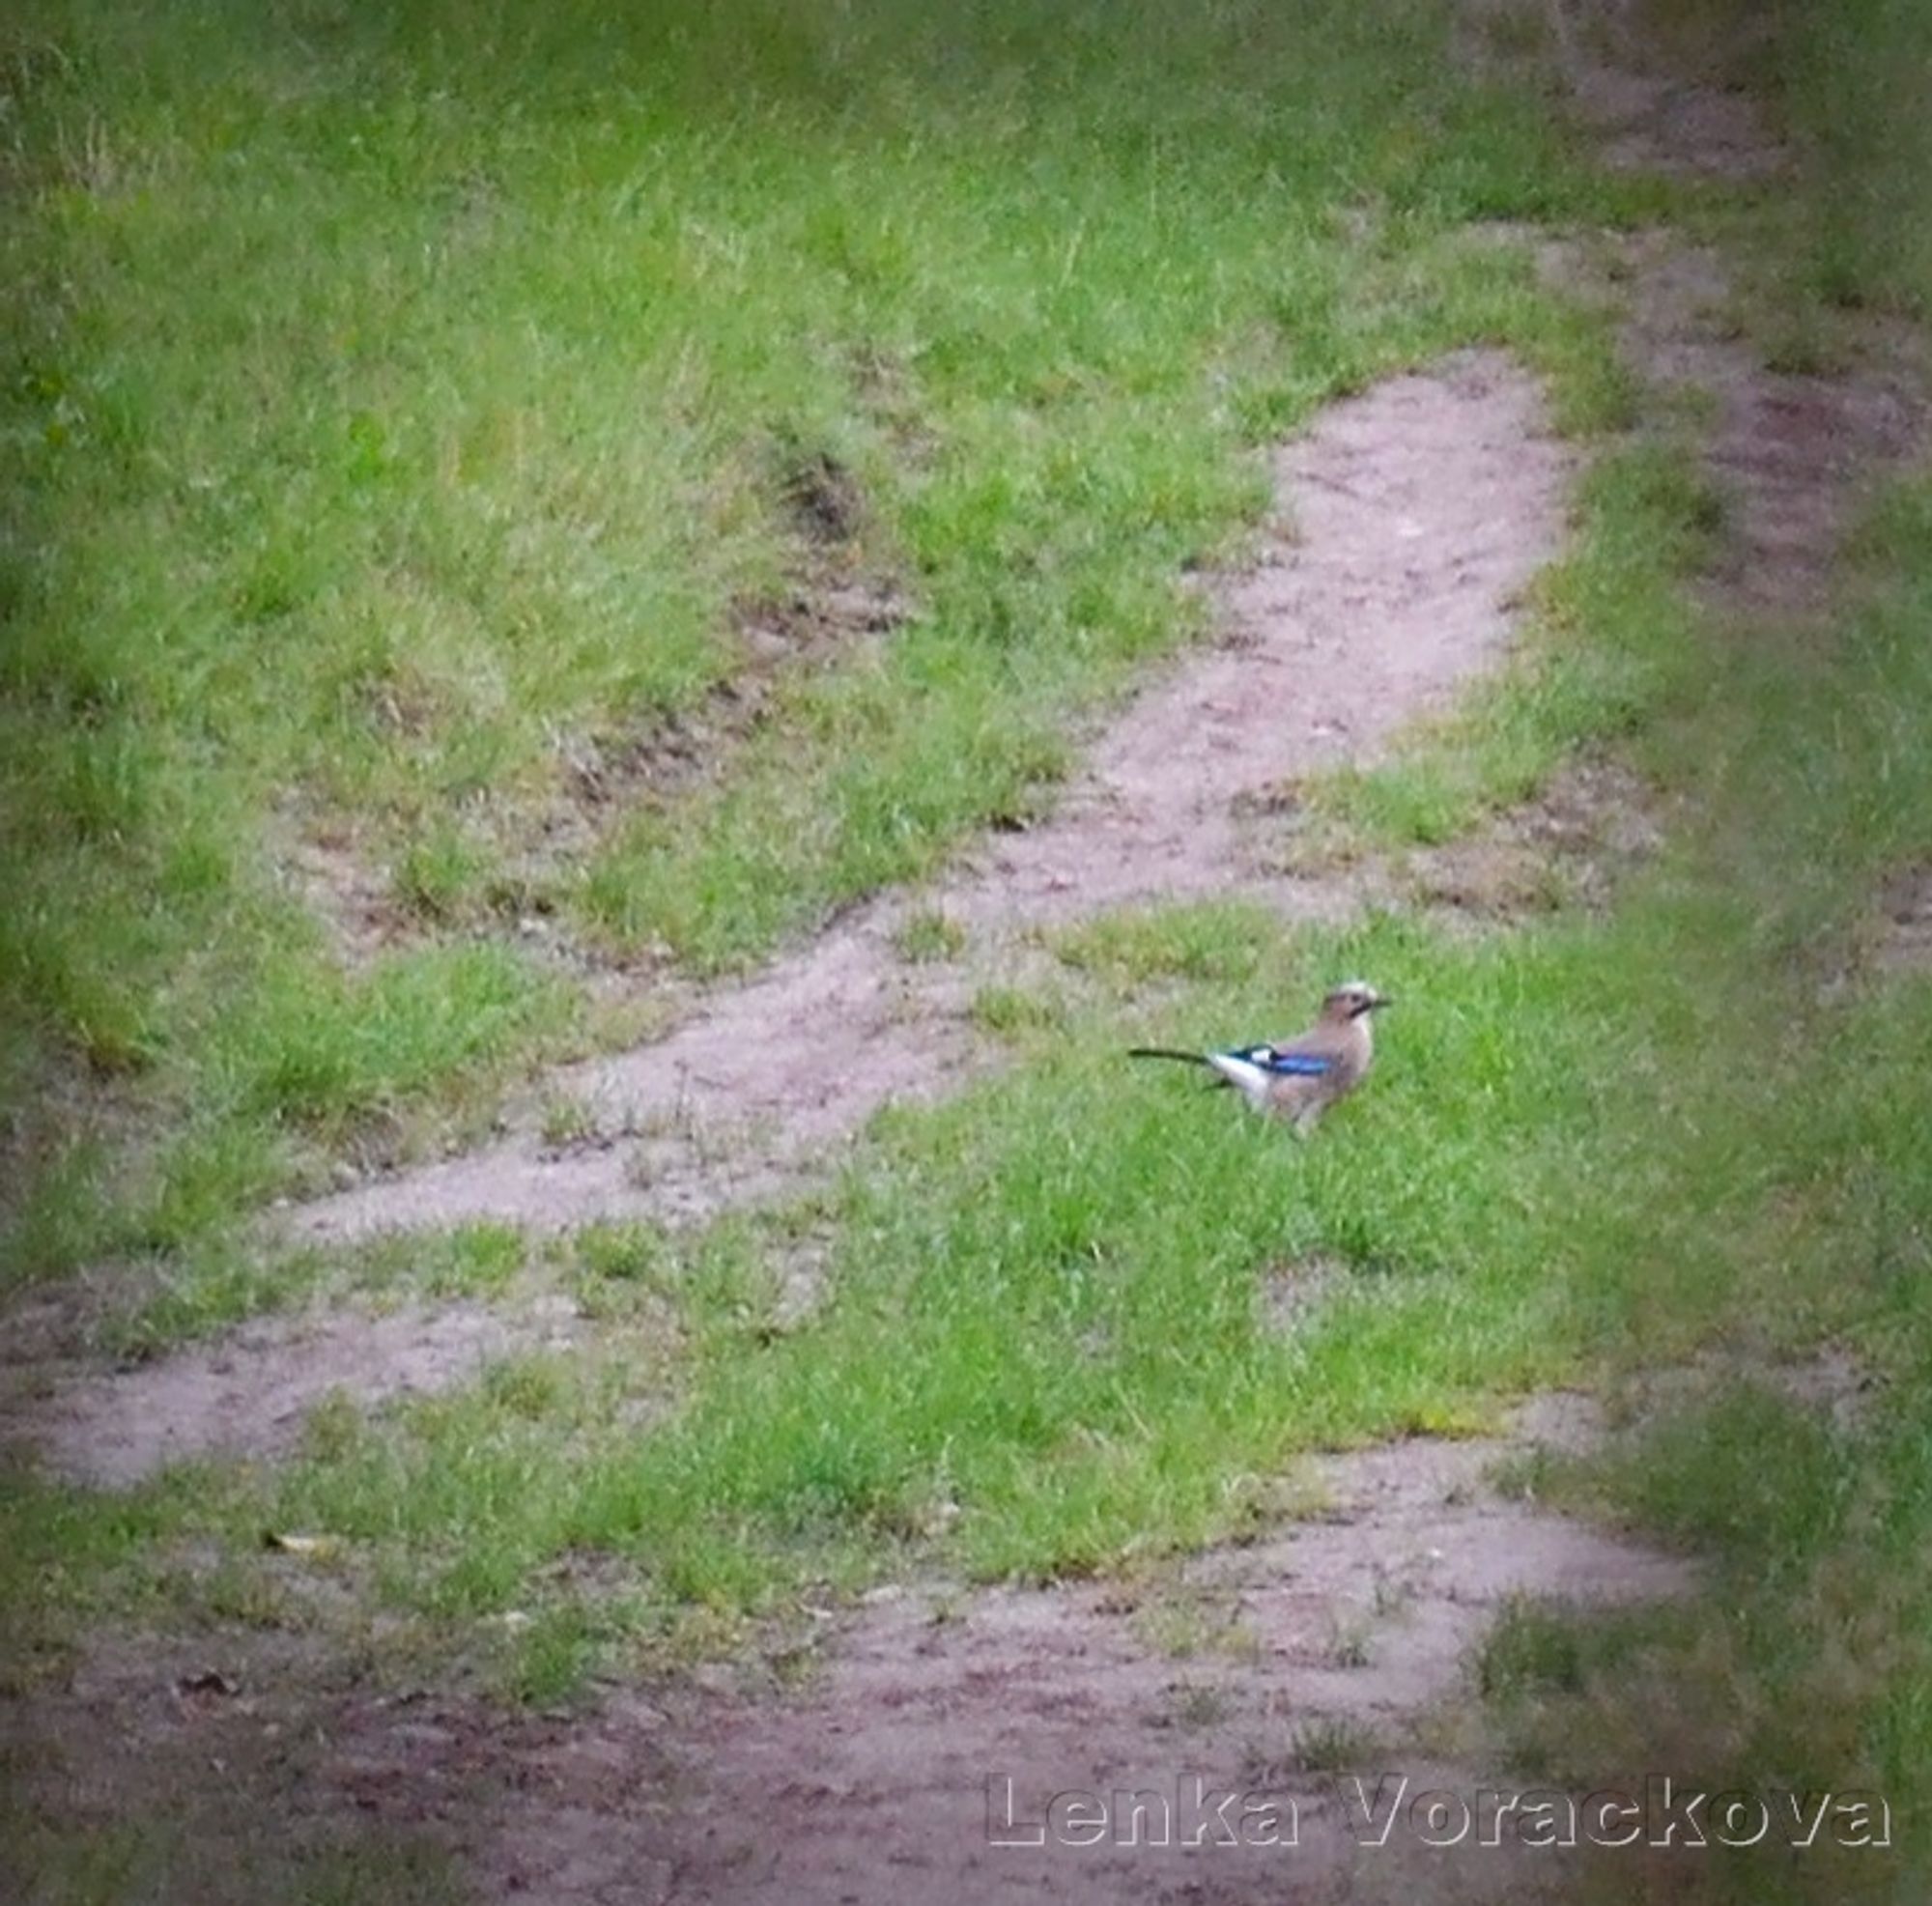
{"x": 1419, "y": 512}
{"x": 924, "y": 1764}
{"x": 1279, "y": 1671}
{"x": 1792, "y": 454}
{"x": 250, "y": 1392}
{"x": 1408, "y": 523}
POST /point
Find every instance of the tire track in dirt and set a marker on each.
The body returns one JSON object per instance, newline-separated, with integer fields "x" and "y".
{"x": 1793, "y": 455}
{"x": 250, "y": 1391}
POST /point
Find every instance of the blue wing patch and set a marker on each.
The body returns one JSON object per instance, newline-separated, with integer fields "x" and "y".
{"x": 1291, "y": 1064}
{"x": 1301, "y": 1065}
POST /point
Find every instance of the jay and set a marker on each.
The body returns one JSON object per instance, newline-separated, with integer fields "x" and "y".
{"x": 1299, "y": 1078}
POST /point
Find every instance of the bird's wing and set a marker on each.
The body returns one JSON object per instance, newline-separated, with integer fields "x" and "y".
{"x": 1294, "y": 1061}
{"x": 1240, "y": 1070}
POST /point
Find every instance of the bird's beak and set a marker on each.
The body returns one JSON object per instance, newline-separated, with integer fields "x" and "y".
{"x": 1380, "y": 1001}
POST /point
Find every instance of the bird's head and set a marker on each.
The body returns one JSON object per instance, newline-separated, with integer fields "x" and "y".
{"x": 1350, "y": 1000}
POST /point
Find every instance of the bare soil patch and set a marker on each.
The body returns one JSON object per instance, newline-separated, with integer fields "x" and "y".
{"x": 344, "y": 885}
{"x": 1326, "y": 1648}
{"x": 1658, "y": 122}
{"x": 1648, "y": 110}
{"x": 1903, "y": 935}
{"x": 1290, "y": 1292}
{"x": 249, "y": 1393}
{"x": 1830, "y": 1383}
{"x": 1794, "y": 455}
{"x": 1589, "y": 828}
{"x": 1338, "y": 1635}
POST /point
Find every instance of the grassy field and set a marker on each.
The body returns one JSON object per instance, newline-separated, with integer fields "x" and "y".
{"x": 414, "y": 420}
{"x": 405, "y": 414}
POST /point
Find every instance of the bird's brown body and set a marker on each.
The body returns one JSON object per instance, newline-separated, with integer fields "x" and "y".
{"x": 1298, "y": 1079}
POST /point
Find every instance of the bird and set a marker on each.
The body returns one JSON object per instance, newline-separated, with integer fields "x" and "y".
{"x": 1298, "y": 1079}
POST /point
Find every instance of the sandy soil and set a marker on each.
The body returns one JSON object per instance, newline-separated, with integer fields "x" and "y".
{"x": 1342, "y": 1633}
{"x": 248, "y": 1393}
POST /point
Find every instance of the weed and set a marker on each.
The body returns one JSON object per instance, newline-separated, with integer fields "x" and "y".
{"x": 1198, "y": 1704}
{"x": 567, "y": 1121}
{"x": 1352, "y": 1644}
{"x": 1008, "y": 1012}
{"x": 928, "y": 935}
{"x": 1531, "y": 1649}
{"x": 1331, "y": 1744}
{"x": 629, "y": 1252}
{"x": 1185, "y": 1625}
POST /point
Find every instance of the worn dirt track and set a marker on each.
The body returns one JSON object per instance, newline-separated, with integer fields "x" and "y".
{"x": 876, "y": 1785}
{"x": 1418, "y": 511}
{"x": 1408, "y": 523}
{"x": 1278, "y": 1670}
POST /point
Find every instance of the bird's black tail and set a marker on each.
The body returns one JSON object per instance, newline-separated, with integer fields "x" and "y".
{"x": 1175, "y": 1052}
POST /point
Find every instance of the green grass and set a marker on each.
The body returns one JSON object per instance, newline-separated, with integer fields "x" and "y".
{"x": 1040, "y": 1354}
{"x": 930, "y": 935}
{"x": 406, "y": 410}
{"x": 1848, "y": 77}
{"x": 241, "y": 1278}
{"x": 1032, "y": 302}
{"x": 1806, "y": 1664}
